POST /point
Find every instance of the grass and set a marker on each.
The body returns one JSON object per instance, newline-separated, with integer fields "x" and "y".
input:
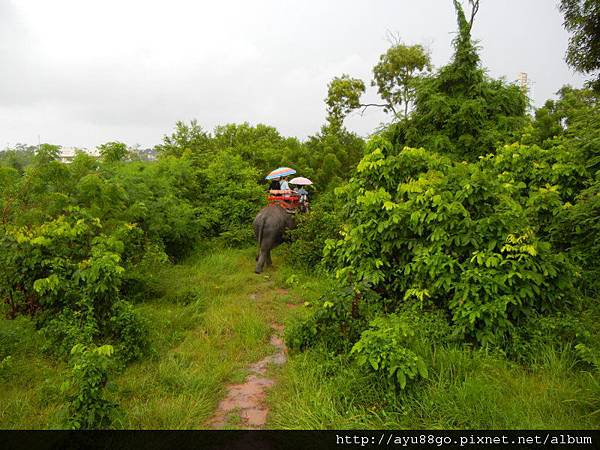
{"x": 29, "y": 381}
{"x": 211, "y": 318}
{"x": 212, "y": 321}
{"x": 466, "y": 390}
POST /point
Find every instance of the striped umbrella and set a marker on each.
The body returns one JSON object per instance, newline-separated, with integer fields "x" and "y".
{"x": 280, "y": 172}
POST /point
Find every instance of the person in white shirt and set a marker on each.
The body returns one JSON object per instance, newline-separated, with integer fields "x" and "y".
{"x": 284, "y": 186}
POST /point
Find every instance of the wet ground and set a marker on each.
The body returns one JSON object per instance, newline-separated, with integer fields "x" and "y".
{"x": 247, "y": 400}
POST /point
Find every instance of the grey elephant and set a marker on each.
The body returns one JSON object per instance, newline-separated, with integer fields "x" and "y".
{"x": 270, "y": 225}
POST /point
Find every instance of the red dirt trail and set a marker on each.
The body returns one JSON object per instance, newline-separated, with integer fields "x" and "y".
{"x": 247, "y": 399}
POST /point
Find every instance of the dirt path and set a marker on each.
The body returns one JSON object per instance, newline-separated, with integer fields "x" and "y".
{"x": 248, "y": 399}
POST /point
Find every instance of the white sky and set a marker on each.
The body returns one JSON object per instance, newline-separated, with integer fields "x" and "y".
{"x": 83, "y": 72}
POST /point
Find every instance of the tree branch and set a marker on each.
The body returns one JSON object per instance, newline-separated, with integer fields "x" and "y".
{"x": 474, "y": 10}
{"x": 366, "y": 105}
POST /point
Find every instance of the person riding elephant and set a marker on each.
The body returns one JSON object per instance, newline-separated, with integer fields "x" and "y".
{"x": 275, "y": 185}
{"x": 270, "y": 225}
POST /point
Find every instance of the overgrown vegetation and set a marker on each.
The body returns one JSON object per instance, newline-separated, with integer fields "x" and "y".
{"x": 448, "y": 266}
{"x": 480, "y": 225}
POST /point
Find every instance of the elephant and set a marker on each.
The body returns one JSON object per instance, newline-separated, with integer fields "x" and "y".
{"x": 270, "y": 225}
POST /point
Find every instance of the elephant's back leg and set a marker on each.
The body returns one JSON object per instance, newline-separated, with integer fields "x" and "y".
{"x": 260, "y": 262}
{"x": 268, "y": 259}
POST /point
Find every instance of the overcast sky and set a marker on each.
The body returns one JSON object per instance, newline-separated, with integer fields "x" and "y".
{"x": 81, "y": 73}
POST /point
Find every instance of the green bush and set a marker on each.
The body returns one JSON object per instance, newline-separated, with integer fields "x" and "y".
{"x": 454, "y": 233}
{"x": 67, "y": 274}
{"x": 129, "y": 333}
{"x": 337, "y": 321}
{"x": 385, "y": 348}
{"x": 313, "y": 229}
{"x": 460, "y": 111}
{"x": 87, "y": 406}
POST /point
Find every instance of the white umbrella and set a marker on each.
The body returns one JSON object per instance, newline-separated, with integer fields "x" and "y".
{"x": 300, "y": 181}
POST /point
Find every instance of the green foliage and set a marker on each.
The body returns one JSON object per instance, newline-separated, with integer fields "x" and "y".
{"x": 460, "y": 111}
{"x": 582, "y": 18}
{"x": 113, "y": 151}
{"x": 313, "y": 229}
{"x": 261, "y": 146}
{"x": 67, "y": 274}
{"x": 229, "y": 199}
{"x": 385, "y": 348}
{"x": 129, "y": 333}
{"x": 18, "y": 157}
{"x": 337, "y": 321}
{"x": 573, "y": 159}
{"x": 343, "y": 96}
{"x": 329, "y": 157}
{"x": 187, "y": 139}
{"x": 87, "y": 406}
{"x": 456, "y": 235}
{"x": 46, "y": 153}
{"x": 567, "y": 331}
{"x": 5, "y": 367}
{"x": 396, "y": 73}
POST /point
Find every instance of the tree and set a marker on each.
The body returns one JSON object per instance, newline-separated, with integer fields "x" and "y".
{"x": 113, "y": 151}
{"x": 46, "y": 153}
{"x": 262, "y": 146}
{"x": 394, "y": 76}
{"x": 18, "y": 157}
{"x": 459, "y": 110}
{"x": 582, "y": 18}
{"x": 343, "y": 96}
{"x": 474, "y": 9}
{"x": 186, "y": 138}
{"x": 396, "y": 73}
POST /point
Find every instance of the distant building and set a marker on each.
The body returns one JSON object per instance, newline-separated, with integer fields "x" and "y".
{"x": 523, "y": 82}
{"x": 145, "y": 154}
{"x": 68, "y": 153}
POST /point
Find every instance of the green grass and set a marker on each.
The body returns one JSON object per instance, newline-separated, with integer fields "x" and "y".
{"x": 29, "y": 381}
{"x": 211, "y": 318}
{"x": 211, "y": 323}
{"x": 465, "y": 390}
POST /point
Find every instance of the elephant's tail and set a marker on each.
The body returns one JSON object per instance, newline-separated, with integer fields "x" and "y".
{"x": 261, "y": 224}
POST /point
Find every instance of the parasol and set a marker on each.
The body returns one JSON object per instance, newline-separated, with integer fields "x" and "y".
{"x": 301, "y": 181}
{"x": 280, "y": 172}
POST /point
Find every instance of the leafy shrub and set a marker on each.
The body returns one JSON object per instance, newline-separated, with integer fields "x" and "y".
{"x": 313, "y": 229}
{"x": 87, "y": 407}
{"x": 455, "y": 233}
{"x": 385, "y": 347}
{"x": 578, "y": 229}
{"x": 67, "y": 274}
{"x": 336, "y": 323}
{"x": 562, "y": 331}
{"x": 5, "y": 367}
{"x": 141, "y": 279}
{"x": 129, "y": 333}
{"x": 460, "y": 111}
{"x": 229, "y": 199}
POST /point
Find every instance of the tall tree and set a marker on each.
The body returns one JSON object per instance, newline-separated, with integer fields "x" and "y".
{"x": 396, "y": 73}
{"x": 113, "y": 151}
{"x": 582, "y": 18}
{"x": 46, "y": 153}
{"x": 460, "y": 110}
{"x": 343, "y": 96}
{"x": 190, "y": 139}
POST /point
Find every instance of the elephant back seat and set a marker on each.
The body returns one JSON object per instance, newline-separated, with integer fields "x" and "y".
{"x": 287, "y": 200}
